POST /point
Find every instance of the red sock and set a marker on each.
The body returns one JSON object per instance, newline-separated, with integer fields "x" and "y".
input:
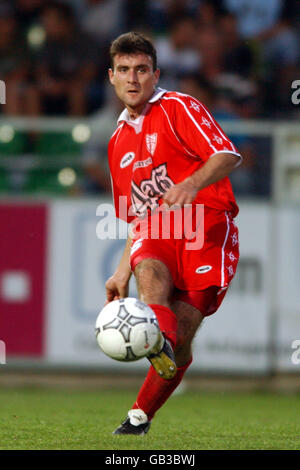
{"x": 155, "y": 390}
{"x": 167, "y": 321}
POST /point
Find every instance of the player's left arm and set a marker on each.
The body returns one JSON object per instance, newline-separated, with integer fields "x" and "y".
{"x": 215, "y": 169}
{"x": 203, "y": 138}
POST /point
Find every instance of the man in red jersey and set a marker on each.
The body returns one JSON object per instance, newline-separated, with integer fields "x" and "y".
{"x": 168, "y": 151}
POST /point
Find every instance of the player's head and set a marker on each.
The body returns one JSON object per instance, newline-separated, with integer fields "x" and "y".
{"x": 133, "y": 43}
{"x": 133, "y": 71}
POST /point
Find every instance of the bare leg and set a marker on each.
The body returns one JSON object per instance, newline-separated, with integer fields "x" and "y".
{"x": 154, "y": 282}
{"x": 189, "y": 320}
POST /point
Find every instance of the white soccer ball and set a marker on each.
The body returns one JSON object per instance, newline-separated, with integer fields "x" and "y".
{"x": 127, "y": 329}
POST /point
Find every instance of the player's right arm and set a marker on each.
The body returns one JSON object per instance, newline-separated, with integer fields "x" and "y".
{"x": 118, "y": 284}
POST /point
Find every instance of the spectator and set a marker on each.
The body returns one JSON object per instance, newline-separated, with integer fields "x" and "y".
{"x": 254, "y": 17}
{"x": 179, "y": 8}
{"x": 213, "y": 54}
{"x": 280, "y": 57}
{"x": 177, "y": 53}
{"x": 196, "y": 85}
{"x": 282, "y": 45}
{"x": 14, "y": 65}
{"x": 67, "y": 65}
{"x": 238, "y": 57}
{"x": 208, "y": 13}
{"x": 28, "y": 13}
{"x": 153, "y": 14}
{"x": 210, "y": 48}
{"x": 103, "y": 19}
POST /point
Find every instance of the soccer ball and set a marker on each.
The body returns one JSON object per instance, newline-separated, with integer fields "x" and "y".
{"x": 127, "y": 329}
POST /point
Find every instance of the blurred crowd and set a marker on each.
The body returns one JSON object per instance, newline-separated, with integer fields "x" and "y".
{"x": 238, "y": 56}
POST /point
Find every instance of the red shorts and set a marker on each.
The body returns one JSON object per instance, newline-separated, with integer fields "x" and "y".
{"x": 201, "y": 276}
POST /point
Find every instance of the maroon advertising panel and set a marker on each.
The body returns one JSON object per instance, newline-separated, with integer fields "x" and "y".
{"x": 23, "y": 232}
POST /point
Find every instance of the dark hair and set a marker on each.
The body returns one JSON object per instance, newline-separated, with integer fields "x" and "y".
{"x": 133, "y": 43}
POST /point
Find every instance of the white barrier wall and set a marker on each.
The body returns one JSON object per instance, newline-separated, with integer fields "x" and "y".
{"x": 80, "y": 264}
{"x": 239, "y": 337}
{"x": 287, "y": 296}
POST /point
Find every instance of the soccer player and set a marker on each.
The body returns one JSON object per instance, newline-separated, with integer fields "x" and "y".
{"x": 167, "y": 152}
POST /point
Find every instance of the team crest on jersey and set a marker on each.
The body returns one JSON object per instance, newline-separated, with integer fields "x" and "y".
{"x": 151, "y": 141}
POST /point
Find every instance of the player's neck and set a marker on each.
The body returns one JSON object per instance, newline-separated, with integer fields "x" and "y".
{"x": 133, "y": 114}
{"x": 136, "y": 112}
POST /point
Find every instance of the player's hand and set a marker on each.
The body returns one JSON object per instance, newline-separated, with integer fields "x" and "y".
{"x": 117, "y": 286}
{"x": 180, "y": 194}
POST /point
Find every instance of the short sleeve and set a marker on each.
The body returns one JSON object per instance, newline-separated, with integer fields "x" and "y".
{"x": 198, "y": 131}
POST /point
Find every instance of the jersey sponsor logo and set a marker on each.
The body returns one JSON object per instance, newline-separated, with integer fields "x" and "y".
{"x": 142, "y": 163}
{"x": 203, "y": 269}
{"x": 146, "y": 195}
{"x": 127, "y": 159}
{"x": 151, "y": 141}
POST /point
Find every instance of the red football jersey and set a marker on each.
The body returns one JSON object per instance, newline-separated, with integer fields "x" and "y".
{"x": 172, "y": 139}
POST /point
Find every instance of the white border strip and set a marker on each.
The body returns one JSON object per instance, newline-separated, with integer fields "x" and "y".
{"x": 223, "y": 250}
{"x": 233, "y": 153}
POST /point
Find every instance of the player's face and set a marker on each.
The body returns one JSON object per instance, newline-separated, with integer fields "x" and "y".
{"x": 134, "y": 80}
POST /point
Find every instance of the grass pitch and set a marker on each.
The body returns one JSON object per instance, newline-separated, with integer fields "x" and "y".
{"x": 68, "y": 419}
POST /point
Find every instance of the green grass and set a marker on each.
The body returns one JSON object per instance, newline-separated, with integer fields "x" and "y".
{"x": 64, "y": 419}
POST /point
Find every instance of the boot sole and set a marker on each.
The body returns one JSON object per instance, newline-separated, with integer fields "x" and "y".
{"x": 163, "y": 365}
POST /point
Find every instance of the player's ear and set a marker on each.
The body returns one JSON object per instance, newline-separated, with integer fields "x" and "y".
{"x": 111, "y": 76}
{"x": 157, "y": 75}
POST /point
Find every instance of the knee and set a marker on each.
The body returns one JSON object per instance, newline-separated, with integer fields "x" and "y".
{"x": 147, "y": 271}
{"x": 153, "y": 281}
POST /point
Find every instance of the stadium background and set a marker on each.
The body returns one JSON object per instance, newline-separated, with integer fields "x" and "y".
{"x": 238, "y": 57}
